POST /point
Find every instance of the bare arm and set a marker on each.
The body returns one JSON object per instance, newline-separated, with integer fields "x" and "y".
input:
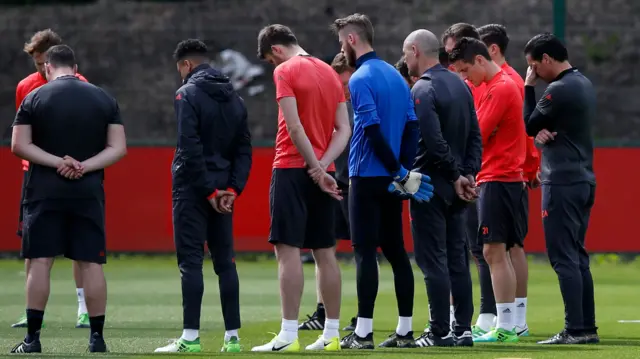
{"x": 23, "y": 147}
{"x": 116, "y": 149}
{"x": 340, "y": 137}
{"x": 299, "y": 138}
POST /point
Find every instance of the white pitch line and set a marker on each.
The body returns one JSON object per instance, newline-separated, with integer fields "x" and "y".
{"x": 629, "y": 321}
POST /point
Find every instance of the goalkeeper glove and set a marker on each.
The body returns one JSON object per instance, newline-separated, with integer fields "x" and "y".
{"x": 414, "y": 184}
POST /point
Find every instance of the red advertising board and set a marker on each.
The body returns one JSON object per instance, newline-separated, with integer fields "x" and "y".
{"x": 139, "y": 204}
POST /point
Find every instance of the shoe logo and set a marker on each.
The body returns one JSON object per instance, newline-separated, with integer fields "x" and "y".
{"x": 275, "y": 349}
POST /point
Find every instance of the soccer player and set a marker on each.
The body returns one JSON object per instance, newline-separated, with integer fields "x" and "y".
{"x": 316, "y": 320}
{"x": 496, "y": 39}
{"x": 383, "y": 146}
{"x": 562, "y": 121}
{"x": 500, "y": 211}
{"x": 487, "y": 316}
{"x": 450, "y": 149}
{"x": 69, "y": 131}
{"x": 37, "y": 46}
{"x": 210, "y": 169}
{"x": 313, "y": 130}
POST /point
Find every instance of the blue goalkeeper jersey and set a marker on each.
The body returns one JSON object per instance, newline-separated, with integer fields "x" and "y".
{"x": 380, "y": 96}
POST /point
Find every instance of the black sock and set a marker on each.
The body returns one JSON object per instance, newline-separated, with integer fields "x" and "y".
{"x": 97, "y": 324}
{"x": 34, "y": 323}
{"x": 320, "y": 310}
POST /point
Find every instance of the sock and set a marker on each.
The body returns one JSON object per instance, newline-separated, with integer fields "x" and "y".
{"x": 320, "y": 311}
{"x": 364, "y": 327}
{"x": 521, "y": 312}
{"x": 34, "y": 324}
{"x": 486, "y": 321}
{"x": 230, "y": 333}
{"x": 452, "y": 314}
{"x": 404, "y": 325}
{"x": 288, "y": 330}
{"x": 505, "y": 316}
{"x": 331, "y": 328}
{"x": 190, "y": 334}
{"x": 82, "y": 305}
{"x": 97, "y": 324}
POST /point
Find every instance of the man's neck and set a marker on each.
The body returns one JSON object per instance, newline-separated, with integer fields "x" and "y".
{"x": 62, "y": 72}
{"x": 426, "y": 64}
{"x": 295, "y": 50}
{"x": 499, "y": 60}
{"x": 365, "y": 49}
{"x": 561, "y": 67}
{"x": 492, "y": 71}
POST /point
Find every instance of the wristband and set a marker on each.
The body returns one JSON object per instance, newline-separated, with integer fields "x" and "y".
{"x": 213, "y": 195}
{"x": 232, "y": 191}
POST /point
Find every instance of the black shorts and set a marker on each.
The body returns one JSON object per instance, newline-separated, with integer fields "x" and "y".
{"x": 374, "y": 213}
{"x": 342, "y": 214}
{"x": 502, "y": 214}
{"x": 20, "y": 214}
{"x": 301, "y": 214}
{"x": 73, "y": 228}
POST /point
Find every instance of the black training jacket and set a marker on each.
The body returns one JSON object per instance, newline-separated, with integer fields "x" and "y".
{"x": 214, "y": 142}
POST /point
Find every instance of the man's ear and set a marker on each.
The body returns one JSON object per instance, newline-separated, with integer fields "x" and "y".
{"x": 75, "y": 69}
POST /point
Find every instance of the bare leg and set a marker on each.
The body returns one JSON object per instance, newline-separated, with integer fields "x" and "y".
{"x": 521, "y": 267}
{"x": 329, "y": 281}
{"x": 503, "y": 278}
{"x": 38, "y": 283}
{"x": 291, "y": 280}
{"x": 95, "y": 287}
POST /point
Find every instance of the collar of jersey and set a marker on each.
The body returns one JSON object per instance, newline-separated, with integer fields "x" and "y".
{"x": 366, "y": 57}
{"x": 561, "y": 75}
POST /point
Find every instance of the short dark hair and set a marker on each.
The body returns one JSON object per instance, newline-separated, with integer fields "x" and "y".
{"x": 403, "y": 69}
{"x": 340, "y": 65}
{"x": 494, "y": 34}
{"x": 41, "y": 41}
{"x": 443, "y": 57}
{"x": 361, "y": 24}
{"x": 460, "y": 30}
{"x": 190, "y": 47}
{"x": 546, "y": 43}
{"x": 60, "y": 56}
{"x": 466, "y": 49}
{"x": 275, "y": 34}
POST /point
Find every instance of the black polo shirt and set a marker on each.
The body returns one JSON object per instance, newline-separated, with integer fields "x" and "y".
{"x": 67, "y": 117}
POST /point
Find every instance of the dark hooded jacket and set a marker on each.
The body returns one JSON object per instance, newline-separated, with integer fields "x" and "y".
{"x": 214, "y": 142}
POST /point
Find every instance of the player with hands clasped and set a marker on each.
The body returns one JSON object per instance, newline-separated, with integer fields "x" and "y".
{"x": 383, "y": 147}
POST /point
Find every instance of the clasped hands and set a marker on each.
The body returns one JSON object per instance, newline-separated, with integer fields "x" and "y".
{"x": 324, "y": 180}
{"x": 70, "y": 168}
{"x": 466, "y": 188}
{"x": 223, "y": 201}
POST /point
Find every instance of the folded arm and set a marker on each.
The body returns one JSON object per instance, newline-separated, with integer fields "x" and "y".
{"x": 539, "y": 116}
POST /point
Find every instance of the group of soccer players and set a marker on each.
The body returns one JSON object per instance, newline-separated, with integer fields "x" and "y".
{"x": 447, "y": 130}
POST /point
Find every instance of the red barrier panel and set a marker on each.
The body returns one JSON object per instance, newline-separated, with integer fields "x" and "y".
{"x": 139, "y": 204}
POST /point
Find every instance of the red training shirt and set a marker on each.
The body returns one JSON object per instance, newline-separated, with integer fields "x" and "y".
{"x": 532, "y": 161}
{"x": 25, "y": 87}
{"x": 500, "y": 107}
{"x": 318, "y": 91}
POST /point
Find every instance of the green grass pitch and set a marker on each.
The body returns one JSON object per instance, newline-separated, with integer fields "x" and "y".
{"x": 144, "y": 311}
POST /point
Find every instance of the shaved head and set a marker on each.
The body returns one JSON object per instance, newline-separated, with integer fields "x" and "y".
{"x": 425, "y": 42}
{"x": 421, "y": 51}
